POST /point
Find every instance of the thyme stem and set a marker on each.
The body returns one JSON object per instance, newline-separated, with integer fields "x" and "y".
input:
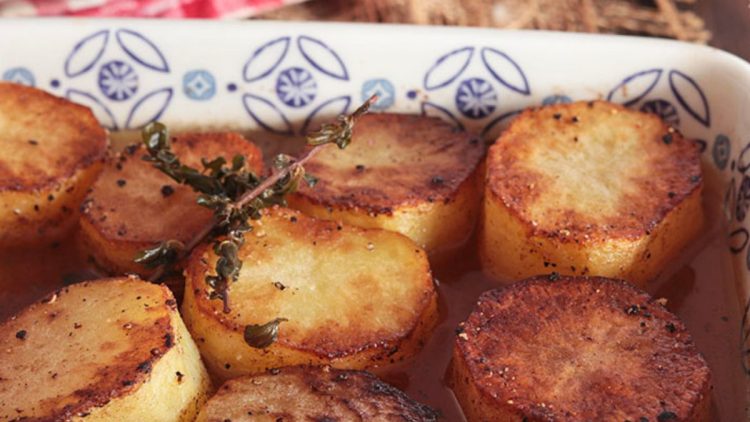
{"x": 339, "y": 134}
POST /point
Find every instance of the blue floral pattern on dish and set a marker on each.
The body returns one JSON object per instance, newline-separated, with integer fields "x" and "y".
{"x": 476, "y": 98}
{"x": 120, "y": 101}
{"x": 477, "y": 77}
{"x": 118, "y": 80}
{"x": 294, "y": 69}
{"x": 296, "y": 87}
{"x": 19, "y": 75}
{"x": 663, "y": 109}
{"x": 635, "y": 89}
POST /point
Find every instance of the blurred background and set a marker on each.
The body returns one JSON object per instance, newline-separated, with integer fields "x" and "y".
{"x": 722, "y": 23}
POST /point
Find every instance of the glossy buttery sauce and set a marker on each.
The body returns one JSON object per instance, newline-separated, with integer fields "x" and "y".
{"x": 699, "y": 287}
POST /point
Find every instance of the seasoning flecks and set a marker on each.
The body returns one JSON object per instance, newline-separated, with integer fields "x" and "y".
{"x": 666, "y": 416}
{"x": 633, "y": 310}
{"x": 167, "y": 191}
{"x": 21, "y": 334}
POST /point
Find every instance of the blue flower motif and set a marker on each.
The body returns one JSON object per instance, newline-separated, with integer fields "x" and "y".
{"x": 19, "y": 75}
{"x": 199, "y": 85}
{"x": 296, "y": 87}
{"x": 118, "y": 80}
{"x": 476, "y": 98}
{"x": 663, "y": 109}
{"x": 383, "y": 88}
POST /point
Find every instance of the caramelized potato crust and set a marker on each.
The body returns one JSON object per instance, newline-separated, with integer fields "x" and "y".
{"x": 305, "y": 393}
{"x": 101, "y": 351}
{"x": 589, "y": 188}
{"x": 133, "y": 206}
{"x": 577, "y": 349}
{"x": 354, "y": 298}
{"x": 52, "y": 150}
{"x": 411, "y": 174}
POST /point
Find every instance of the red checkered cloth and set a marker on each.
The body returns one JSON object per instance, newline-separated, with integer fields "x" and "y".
{"x": 140, "y": 8}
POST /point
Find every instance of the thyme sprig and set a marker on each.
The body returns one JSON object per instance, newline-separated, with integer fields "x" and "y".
{"x": 236, "y": 196}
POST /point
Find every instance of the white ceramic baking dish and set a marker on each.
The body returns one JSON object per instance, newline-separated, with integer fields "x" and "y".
{"x": 283, "y": 78}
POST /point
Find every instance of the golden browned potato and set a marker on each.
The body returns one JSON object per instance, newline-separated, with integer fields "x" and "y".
{"x": 107, "y": 350}
{"x": 133, "y": 206}
{"x": 589, "y": 188}
{"x": 305, "y": 393}
{"x": 406, "y": 173}
{"x": 52, "y": 150}
{"x": 577, "y": 349}
{"x": 353, "y": 298}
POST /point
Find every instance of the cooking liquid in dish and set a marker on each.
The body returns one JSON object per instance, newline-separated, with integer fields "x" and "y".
{"x": 700, "y": 288}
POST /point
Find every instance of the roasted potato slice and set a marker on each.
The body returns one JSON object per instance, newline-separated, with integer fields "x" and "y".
{"x": 353, "y": 298}
{"x": 52, "y": 152}
{"x": 406, "y": 173}
{"x": 305, "y": 393}
{"x": 107, "y": 350}
{"x": 133, "y": 206}
{"x": 589, "y": 188}
{"x": 577, "y": 349}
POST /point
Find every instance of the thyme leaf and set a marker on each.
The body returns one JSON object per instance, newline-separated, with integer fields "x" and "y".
{"x": 236, "y": 196}
{"x": 263, "y": 335}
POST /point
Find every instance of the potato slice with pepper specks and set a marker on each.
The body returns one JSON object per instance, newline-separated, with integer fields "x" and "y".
{"x": 312, "y": 394}
{"x": 52, "y": 150}
{"x": 589, "y": 188}
{"x": 411, "y": 174}
{"x": 353, "y": 298}
{"x": 563, "y": 348}
{"x": 133, "y": 206}
{"x": 101, "y": 351}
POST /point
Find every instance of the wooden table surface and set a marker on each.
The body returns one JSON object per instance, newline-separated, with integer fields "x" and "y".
{"x": 729, "y": 21}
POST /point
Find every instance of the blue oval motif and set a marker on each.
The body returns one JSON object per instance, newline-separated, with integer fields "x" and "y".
{"x": 505, "y": 70}
{"x": 142, "y": 50}
{"x": 322, "y": 57}
{"x": 265, "y": 59}
{"x": 493, "y": 128}
{"x": 117, "y": 80}
{"x": 635, "y": 87}
{"x": 433, "y": 110}
{"x": 266, "y": 115}
{"x": 149, "y": 108}
{"x": 325, "y": 112}
{"x": 86, "y": 53}
{"x": 690, "y": 96}
{"x": 721, "y": 151}
{"x": 448, "y": 68}
{"x": 296, "y": 87}
{"x": 476, "y": 98}
{"x": 101, "y": 111}
{"x": 738, "y": 239}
